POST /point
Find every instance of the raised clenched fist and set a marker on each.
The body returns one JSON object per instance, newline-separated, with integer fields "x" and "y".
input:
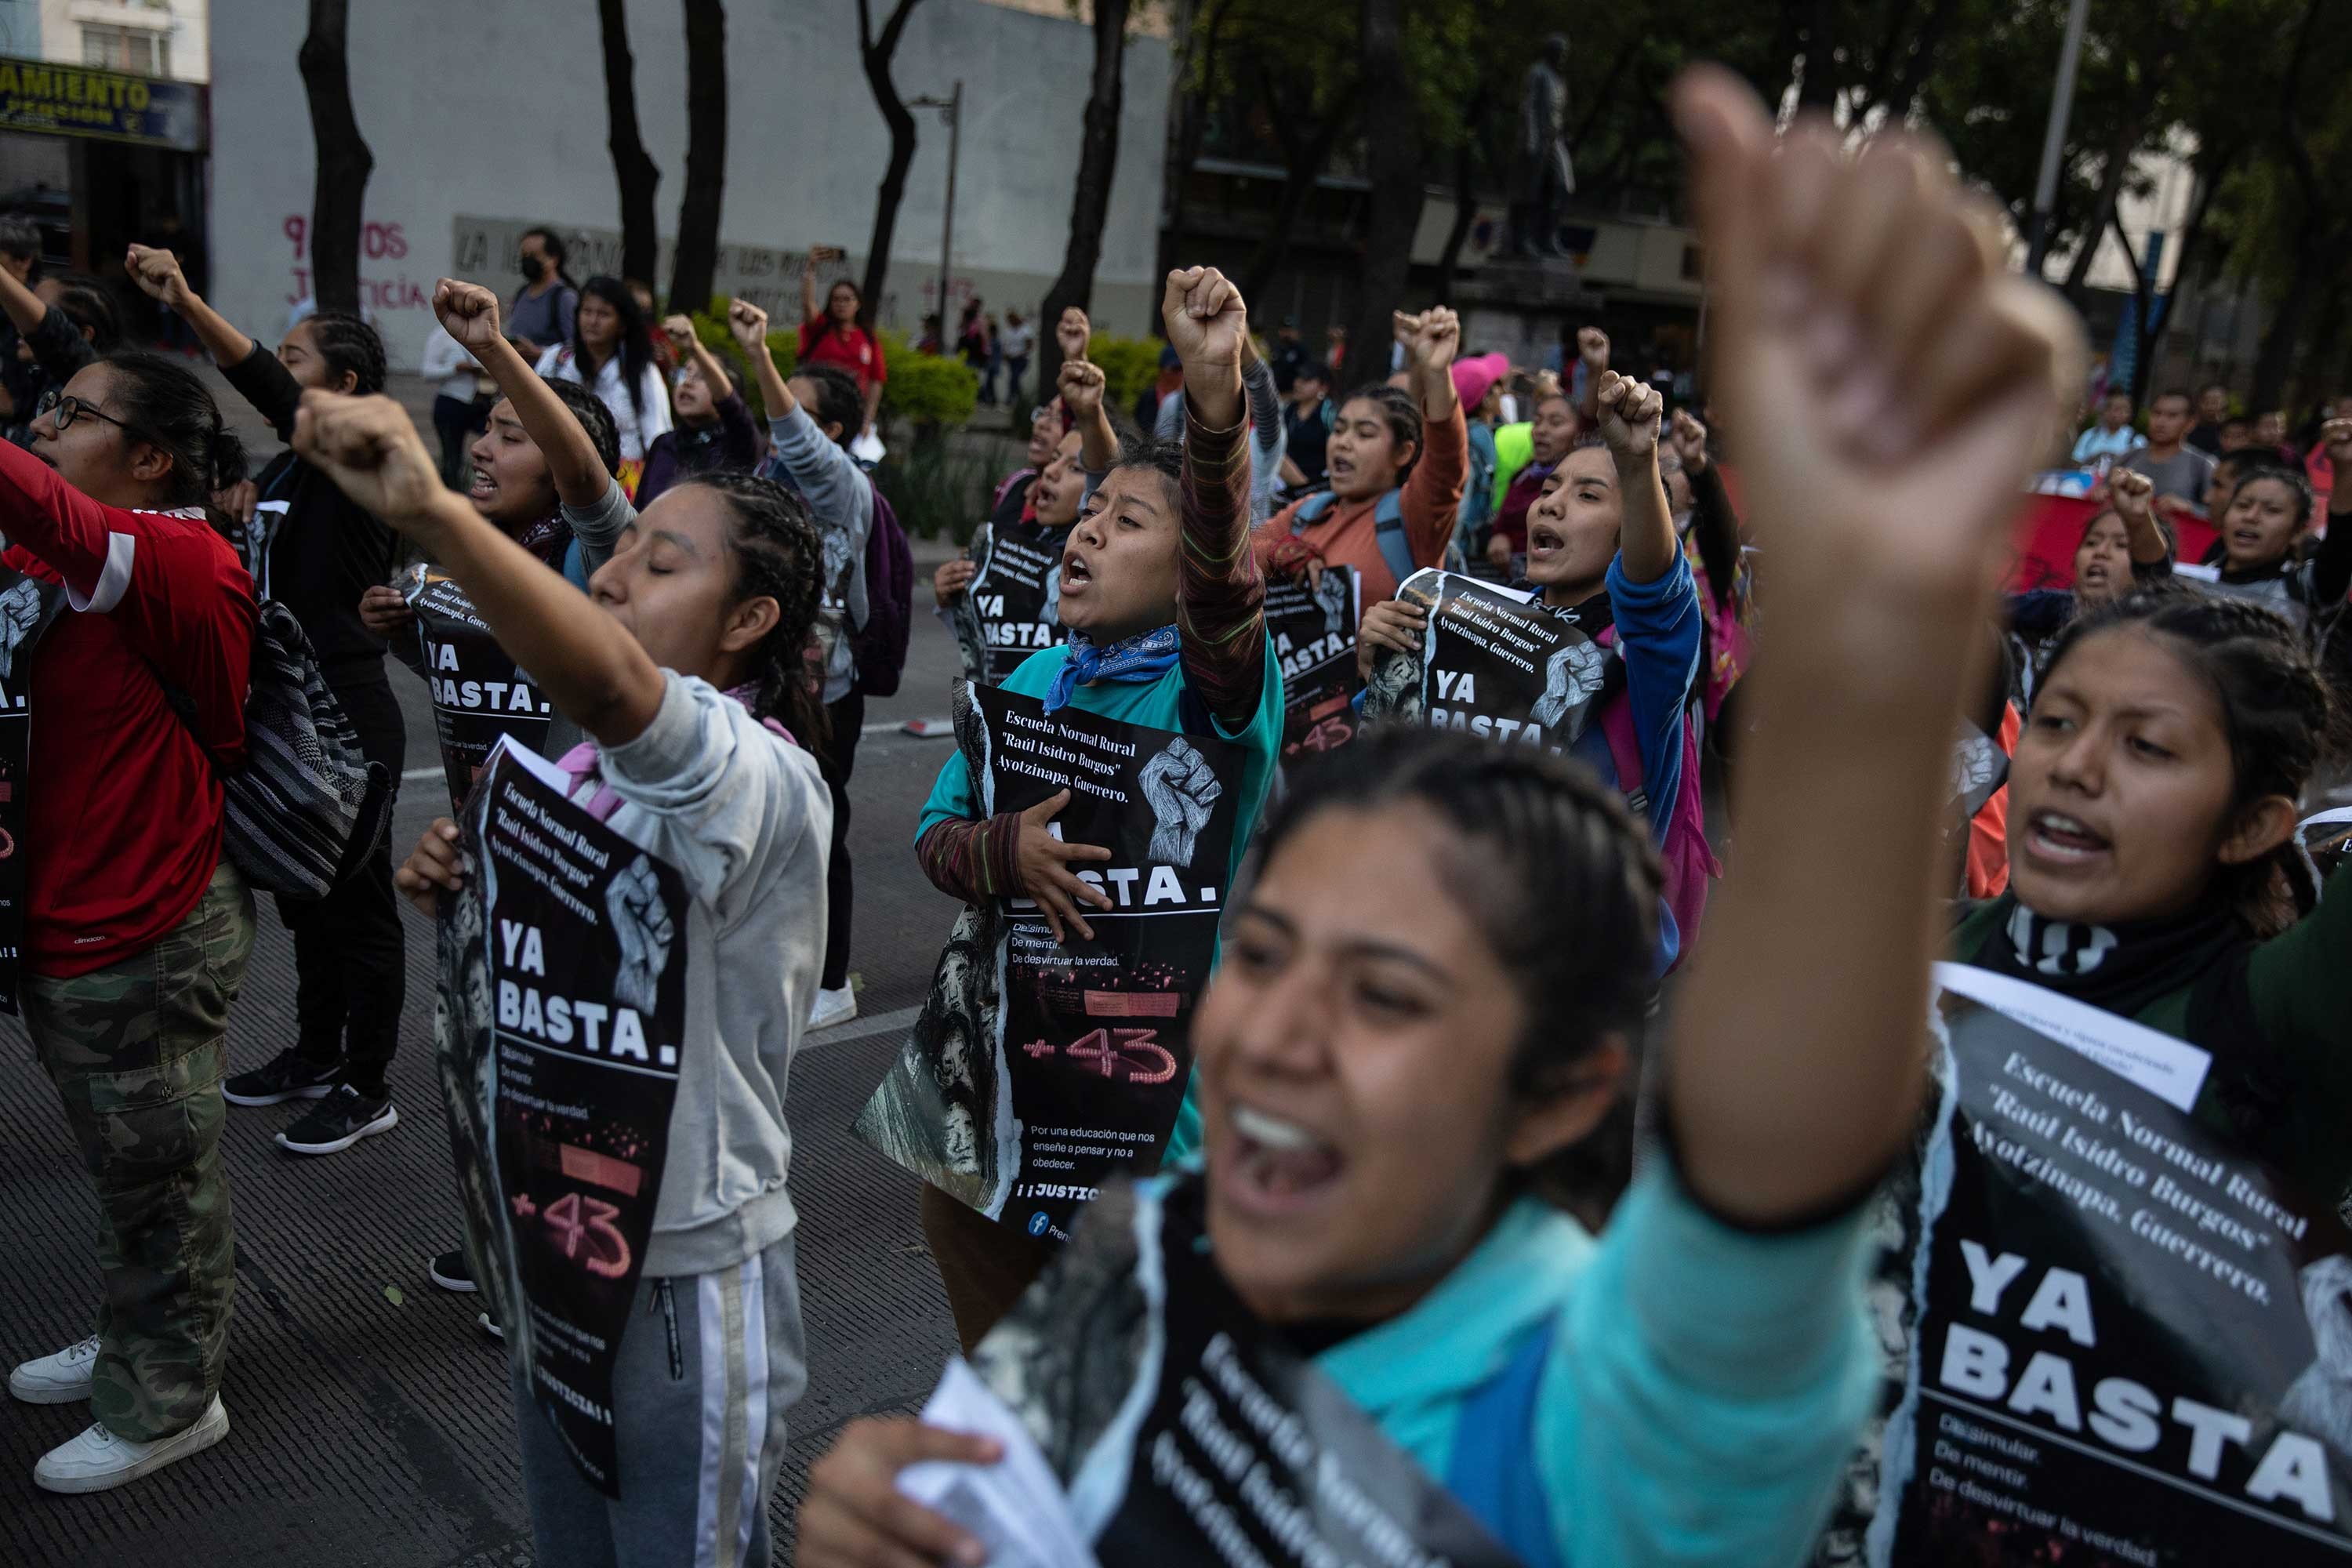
{"x": 468, "y": 312}
{"x": 1630, "y": 411}
{"x": 1082, "y": 386}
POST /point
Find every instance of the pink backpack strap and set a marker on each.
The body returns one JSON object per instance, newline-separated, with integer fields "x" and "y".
{"x": 589, "y": 791}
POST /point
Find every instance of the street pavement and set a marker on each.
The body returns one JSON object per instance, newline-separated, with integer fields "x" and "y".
{"x": 372, "y": 1422}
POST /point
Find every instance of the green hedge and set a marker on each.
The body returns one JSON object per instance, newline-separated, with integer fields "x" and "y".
{"x": 935, "y": 490}
{"x": 1129, "y": 365}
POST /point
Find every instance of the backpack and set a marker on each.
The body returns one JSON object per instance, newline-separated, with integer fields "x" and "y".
{"x": 1688, "y": 863}
{"x": 1387, "y": 529}
{"x": 309, "y": 808}
{"x": 880, "y": 645}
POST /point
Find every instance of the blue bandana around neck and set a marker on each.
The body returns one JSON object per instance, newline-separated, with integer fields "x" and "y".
{"x": 1147, "y": 656}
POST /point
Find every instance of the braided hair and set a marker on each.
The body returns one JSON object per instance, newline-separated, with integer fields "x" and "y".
{"x": 1535, "y": 840}
{"x": 347, "y": 344}
{"x": 775, "y": 543}
{"x": 2277, "y": 710}
{"x": 167, "y": 407}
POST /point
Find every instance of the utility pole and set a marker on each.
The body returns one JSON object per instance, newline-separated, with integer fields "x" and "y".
{"x": 2053, "y": 142}
{"x": 951, "y": 110}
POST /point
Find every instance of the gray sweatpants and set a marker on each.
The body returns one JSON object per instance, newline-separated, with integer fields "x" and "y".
{"x": 709, "y": 1365}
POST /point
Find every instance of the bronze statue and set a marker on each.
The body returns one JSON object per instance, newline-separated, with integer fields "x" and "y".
{"x": 1546, "y": 173}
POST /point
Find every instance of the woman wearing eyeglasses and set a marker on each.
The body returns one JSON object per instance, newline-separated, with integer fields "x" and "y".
{"x": 130, "y": 941}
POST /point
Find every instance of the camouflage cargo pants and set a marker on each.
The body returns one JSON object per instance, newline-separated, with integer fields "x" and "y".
{"x": 137, "y": 1050}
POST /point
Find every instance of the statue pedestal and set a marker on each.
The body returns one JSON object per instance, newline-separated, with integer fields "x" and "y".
{"x": 1528, "y": 283}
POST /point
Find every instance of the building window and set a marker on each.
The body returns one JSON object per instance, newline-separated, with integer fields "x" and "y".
{"x": 136, "y": 50}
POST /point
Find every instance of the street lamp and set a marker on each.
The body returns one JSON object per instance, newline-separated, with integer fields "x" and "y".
{"x": 951, "y": 110}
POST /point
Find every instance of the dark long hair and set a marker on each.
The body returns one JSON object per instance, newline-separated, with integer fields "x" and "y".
{"x": 1563, "y": 881}
{"x": 166, "y": 405}
{"x": 636, "y": 347}
{"x": 1403, "y": 416}
{"x": 778, "y": 554}
{"x": 2280, "y": 721}
{"x": 89, "y": 306}
{"x": 556, "y": 252}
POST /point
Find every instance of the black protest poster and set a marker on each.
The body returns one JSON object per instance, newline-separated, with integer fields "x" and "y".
{"x": 1245, "y": 1455}
{"x": 1018, "y": 597}
{"x": 1314, "y": 633}
{"x": 2132, "y": 1343}
{"x": 27, "y": 605}
{"x": 561, "y": 1018}
{"x": 1492, "y": 662}
{"x": 1041, "y": 1069}
{"x": 478, "y": 695}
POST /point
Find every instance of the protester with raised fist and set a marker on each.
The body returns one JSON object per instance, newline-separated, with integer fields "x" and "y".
{"x": 1389, "y": 1077}
{"x": 1395, "y": 461}
{"x": 714, "y": 427}
{"x": 1163, "y": 602}
{"x": 312, "y": 550}
{"x": 681, "y": 665}
{"x": 842, "y": 336}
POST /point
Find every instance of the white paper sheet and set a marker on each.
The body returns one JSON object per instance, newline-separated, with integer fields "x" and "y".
{"x": 1014, "y": 1507}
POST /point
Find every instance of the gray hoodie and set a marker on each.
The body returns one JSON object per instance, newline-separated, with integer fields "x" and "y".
{"x": 744, "y": 816}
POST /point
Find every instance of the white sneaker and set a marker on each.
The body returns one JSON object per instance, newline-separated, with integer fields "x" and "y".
{"x": 98, "y": 1459}
{"x": 838, "y": 1007}
{"x": 60, "y": 1379}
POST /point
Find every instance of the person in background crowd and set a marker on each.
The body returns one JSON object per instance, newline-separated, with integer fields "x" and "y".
{"x": 1550, "y": 436}
{"x": 1335, "y": 355}
{"x": 312, "y": 549}
{"x": 1165, "y": 385}
{"x": 541, "y": 313}
{"x": 2112, "y": 436}
{"x": 2316, "y": 463}
{"x": 2269, "y": 436}
{"x": 687, "y": 647}
{"x": 2212, "y": 413}
{"x": 135, "y": 926}
{"x": 60, "y": 324}
{"x": 1164, "y": 604}
{"x": 21, "y": 380}
{"x": 1601, "y": 554}
{"x": 1289, "y": 354}
{"x": 1015, "y": 342}
{"x": 1412, "y": 444}
{"x": 1266, "y": 442}
{"x": 612, "y": 354}
{"x": 714, "y": 427}
{"x": 665, "y": 360}
{"x": 971, "y": 339}
{"x": 2155, "y": 870}
{"x": 2264, "y": 525}
{"x": 812, "y": 419}
{"x": 1711, "y": 540}
{"x": 2123, "y": 547}
{"x": 461, "y": 403}
{"x": 2180, "y": 472}
{"x": 2236, "y": 433}
{"x": 992, "y": 364}
{"x": 840, "y": 335}
{"x": 1390, "y": 1081}
{"x": 1478, "y": 385}
{"x": 1307, "y": 425}
{"x": 1045, "y": 432}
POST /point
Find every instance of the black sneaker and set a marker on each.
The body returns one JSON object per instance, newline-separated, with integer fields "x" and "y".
{"x": 452, "y": 1272}
{"x": 341, "y": 1120}
{"x": 290, "y": 1075}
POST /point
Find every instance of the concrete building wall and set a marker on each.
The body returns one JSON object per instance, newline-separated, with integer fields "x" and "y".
{"x": 182, "y": 22}
{"x": 485, "y": 115}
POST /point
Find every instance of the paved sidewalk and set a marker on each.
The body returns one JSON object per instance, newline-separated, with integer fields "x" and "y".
{"x": 371, "y": 1418}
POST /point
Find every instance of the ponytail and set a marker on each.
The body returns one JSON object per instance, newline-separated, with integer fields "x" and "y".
{"x": 166, "y": 406}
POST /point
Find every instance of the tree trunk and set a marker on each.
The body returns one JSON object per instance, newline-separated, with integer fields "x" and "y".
{"x": 2283, "y": 336}
{"x": 875, "y": 55}
{"x": 338, "y": 188}
{"x": 638, "y": 176}
{"x": 1090, "y": 202}
{"x": 1465, "y": 208}
{"x": 697, "y": 260}
{"x": 1393, "y": 212}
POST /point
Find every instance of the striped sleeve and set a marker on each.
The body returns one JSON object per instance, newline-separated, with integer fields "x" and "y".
{"x": 1219, "y": 592}
{"x": 973, "y": 860}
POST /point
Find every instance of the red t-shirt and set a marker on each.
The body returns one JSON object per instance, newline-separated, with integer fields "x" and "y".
{"x": 123, "y": 822}
{"x": 854, "y": 351}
